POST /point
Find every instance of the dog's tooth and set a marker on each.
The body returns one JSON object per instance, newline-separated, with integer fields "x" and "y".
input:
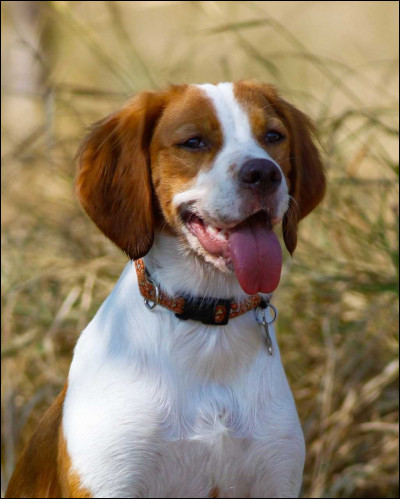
{"x": 216, "y": 232}
{"x": 212, "y": 230}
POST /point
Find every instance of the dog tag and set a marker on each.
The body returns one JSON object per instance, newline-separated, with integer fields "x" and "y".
{"x": 265, "y": 323}
{"x": 268, "y": 340}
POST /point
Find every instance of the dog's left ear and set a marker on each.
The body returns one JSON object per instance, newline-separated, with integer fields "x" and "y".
{"x": 114, "y": 179}
{"x": 306, "y": 176}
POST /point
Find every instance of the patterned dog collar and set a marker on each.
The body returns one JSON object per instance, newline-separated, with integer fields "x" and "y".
{"x": 211, "y": 311}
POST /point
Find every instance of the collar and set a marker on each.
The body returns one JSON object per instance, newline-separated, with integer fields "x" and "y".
{"x": 211, "y": 311}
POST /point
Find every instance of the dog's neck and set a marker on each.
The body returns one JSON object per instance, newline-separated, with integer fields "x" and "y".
{"x": 179, "y": 271}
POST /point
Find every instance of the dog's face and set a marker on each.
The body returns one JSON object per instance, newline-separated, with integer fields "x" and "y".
{"x": 217, "y": 165}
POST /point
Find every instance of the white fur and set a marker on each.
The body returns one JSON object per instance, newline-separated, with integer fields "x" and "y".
{"x": 159, "y": 407}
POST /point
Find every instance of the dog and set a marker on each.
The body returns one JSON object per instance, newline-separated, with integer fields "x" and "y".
{"x": 176, "y": 388}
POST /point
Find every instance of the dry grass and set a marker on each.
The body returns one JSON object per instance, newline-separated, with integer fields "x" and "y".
{"x": 338, "y": 300}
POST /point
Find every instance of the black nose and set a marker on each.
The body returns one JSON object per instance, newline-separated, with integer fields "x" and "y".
{"x": 261, "y": 175}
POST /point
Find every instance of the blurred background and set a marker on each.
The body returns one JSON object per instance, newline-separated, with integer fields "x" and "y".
{"x": 67, "y": 64}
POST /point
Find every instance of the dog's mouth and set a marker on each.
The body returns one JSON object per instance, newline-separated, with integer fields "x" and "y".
{"x": 251, "y": 247}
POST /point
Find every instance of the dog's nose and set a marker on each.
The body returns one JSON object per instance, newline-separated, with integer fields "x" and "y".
{"x": 261, "y": 175}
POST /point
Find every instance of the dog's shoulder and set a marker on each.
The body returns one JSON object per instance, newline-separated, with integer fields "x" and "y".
{"x": 37, "y": 473}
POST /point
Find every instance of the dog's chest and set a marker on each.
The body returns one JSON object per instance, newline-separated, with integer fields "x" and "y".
{"x": 142, "y": 438}
{"x": 225, "y": 453}
{"x": 188, "y": 418}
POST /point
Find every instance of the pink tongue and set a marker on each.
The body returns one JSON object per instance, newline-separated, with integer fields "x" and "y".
{"x": 257, "y": 257}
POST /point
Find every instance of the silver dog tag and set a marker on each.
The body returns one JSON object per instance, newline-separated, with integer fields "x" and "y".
{"x": 268, "y": 340}
{"x": 265, "y": 323}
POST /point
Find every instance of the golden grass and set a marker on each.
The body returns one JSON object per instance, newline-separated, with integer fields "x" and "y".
{"x": 338, "y": 300}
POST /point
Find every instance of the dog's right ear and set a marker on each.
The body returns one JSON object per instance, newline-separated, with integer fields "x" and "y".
{"x": 114, "y": 179}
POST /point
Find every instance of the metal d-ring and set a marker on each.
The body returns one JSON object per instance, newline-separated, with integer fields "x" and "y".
{"x": 264, "y": 321}
{"x": 266, "y": 324}
{"x": 155, "y": 302}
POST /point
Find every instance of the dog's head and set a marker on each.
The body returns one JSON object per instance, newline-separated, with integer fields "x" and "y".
{"x": 216, "y": 165}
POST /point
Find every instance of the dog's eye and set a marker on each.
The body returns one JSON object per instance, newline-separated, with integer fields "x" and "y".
{"x": 194, "y": 143}
{"x": 273, "y": 136}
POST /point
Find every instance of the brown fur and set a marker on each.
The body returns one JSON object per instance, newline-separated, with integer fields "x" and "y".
{"x": 173, "y": 167}
{"x": 125, "y": 157}
{"x": 70, "y": 483}
{"x": 113, "y": 182}
{"x": 214, "y": 493}
{"x": 301, "y": 162}
{"x": 43, "y": 469}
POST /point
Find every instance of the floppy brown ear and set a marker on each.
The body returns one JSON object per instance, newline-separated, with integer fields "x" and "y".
{"x": 306, "y": 176}
{"x": 114, "y": 181}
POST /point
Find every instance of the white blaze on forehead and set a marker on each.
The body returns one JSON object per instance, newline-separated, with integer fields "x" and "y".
{"x": 233, "y": 118}
{"x": 240, "y": 143}
{"x": 216, "y": 191}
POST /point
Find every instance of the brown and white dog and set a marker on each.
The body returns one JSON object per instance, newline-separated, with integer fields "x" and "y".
{"x": 188, "y": 398}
